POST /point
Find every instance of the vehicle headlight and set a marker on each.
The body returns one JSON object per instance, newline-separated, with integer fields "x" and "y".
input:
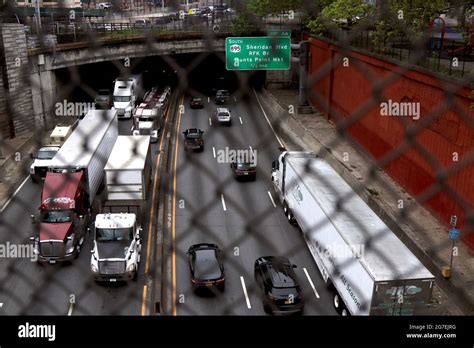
{"x": 94, "y": 268}
{"x": 70, "y": 250}
{"x": 130, "y": 267}
{"x": 112, "y": 108}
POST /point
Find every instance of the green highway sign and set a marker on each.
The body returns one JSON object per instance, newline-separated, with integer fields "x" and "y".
{"x": 258, "y": 53}
{"x": 279, "y": 32}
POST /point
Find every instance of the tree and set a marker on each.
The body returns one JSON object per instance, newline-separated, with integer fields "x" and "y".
{"x": 346, "y": 10}
{"x": 266, "y": 7}
{"x": 244, "y": 24}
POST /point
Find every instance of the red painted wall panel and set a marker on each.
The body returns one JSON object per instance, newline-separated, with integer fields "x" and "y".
{"x": 442, "y": 129}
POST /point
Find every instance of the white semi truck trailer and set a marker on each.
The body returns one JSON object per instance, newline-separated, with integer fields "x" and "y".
{"x": 117, "y": 229}
{"x": 370, "y": 271}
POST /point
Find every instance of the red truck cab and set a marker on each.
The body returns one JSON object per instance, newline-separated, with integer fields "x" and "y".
{"x": 60, "y": 230}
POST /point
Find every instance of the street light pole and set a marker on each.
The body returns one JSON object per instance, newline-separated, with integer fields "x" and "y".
{"x": 38, "y": 15}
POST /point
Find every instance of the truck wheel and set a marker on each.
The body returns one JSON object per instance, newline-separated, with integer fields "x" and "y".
{"x": 290, "y": 217}
{"x": 337, "y": 302}
{"x": 345, "y": 312}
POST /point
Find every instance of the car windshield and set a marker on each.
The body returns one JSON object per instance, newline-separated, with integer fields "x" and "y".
{"x": 196, "y": 99}
{"x": 56, "y": 216}
{"x": 223, "y": 114}
{"x": 122, "y": 98}
{"x": 45, "y": 154}
{"x": 114, "y": 234}
{"x": 192, "y": 136}
{"x": 222, "y": 93}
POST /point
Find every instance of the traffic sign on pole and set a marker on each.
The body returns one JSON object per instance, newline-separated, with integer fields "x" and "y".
{"x": 279, "y": 32}
{"x": 258, "y": 53}
{"x": 454, "y": 234}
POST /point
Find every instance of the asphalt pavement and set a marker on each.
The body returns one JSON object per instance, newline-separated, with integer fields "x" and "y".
{"x": 243, "y": 218}
{"x": 240, "y": 217}
{"x": 30, "y": 288}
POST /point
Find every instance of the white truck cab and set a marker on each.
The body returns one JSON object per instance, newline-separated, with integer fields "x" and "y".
{"x": 117, "y": 247}
{"x": 127, "y": 92}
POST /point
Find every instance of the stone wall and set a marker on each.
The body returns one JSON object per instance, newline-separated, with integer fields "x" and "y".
{"x": 15, "y": 99}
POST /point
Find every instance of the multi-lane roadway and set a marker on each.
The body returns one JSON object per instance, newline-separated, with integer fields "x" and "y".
{"x": 206, "y": 204}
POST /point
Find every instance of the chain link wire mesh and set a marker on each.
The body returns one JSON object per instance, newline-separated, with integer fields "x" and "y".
{"x": 49, "y": 288}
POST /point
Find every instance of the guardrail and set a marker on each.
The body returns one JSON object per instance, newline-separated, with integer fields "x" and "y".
{"x": 68, "y": 32}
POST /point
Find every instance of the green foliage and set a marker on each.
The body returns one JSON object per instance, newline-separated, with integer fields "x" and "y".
{"x": 346, "y": 10}
{"x": 338, "y": 13}
{"x": 244, "y": 24}
{"x": 266, "y": 7}
{"x": 416, "y": 14}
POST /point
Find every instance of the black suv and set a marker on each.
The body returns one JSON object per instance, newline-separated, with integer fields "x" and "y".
{"x": 244, "y": 169}
{"x": 277, "y": 280}
{"x": 222, "y": 96}
{"x": 206, "y": 266}
{"x": 193, "y": 139}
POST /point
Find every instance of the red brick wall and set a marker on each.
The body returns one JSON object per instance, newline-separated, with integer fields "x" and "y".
{"x": 349, "y": 89}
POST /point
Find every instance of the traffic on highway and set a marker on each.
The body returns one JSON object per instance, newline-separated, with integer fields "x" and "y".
{"x": 183, "y": 204}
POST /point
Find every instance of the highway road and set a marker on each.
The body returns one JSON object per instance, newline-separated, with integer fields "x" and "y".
{"x": 240, "y": 217}
{"x": 243, "y": 218}
{"x": 33, "y": 289}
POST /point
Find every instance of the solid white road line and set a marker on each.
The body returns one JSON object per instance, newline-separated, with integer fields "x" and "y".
{"x": 208, "y": 99}
{"x": 251, "y": 148}
{"x": 214, "y": 151}
{"x": 266, "y": 117}
{"x": 241, "y": 122}
{"x": 310, "y": 282}
{"x": 210, "y": 121}
{"x": 245, "y": 292}
{"x": 71, "y": 307}
{"x": 223, "y": 202}
{"x": 131, "y": 129}
{"x": 271, "y": 198}
{"x": 14, "y": 194}
{"x": 235, "y": 99}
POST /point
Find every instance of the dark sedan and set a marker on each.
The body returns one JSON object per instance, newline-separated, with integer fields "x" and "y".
{"x": 244, "y": 169}
{"x": 280, "y": 289}
{"x": 206, "y": 266}
{"x": 196, "y": 103}
{"x": 193, "y": 139}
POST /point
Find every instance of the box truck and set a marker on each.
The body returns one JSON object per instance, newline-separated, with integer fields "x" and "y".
{"x": 370, "y": 271}
{"x": 127, "y": 175}
{"x": 75, "y": 175}
{"x": 116, "y": 230}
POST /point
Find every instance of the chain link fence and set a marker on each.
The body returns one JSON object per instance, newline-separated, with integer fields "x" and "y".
{"x": 207, "y": 191}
